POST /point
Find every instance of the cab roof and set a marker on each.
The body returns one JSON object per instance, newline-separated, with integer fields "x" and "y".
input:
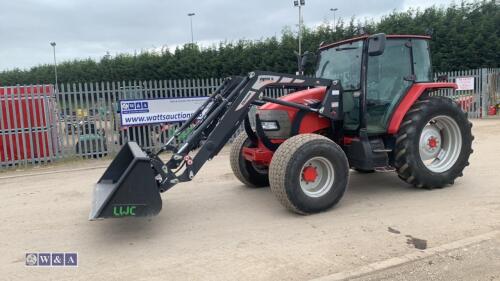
{"x": 363, "y": 37}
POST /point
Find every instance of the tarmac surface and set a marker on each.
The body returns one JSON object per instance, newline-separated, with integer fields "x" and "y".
{"x": 214, "y": 228}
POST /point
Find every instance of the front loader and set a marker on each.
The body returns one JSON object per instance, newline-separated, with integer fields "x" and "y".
{"x": 369, "y": 108}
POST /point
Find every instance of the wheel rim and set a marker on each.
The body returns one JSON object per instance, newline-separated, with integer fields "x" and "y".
{"x": 440, "y": 144}
{"x": 316, "y": 177}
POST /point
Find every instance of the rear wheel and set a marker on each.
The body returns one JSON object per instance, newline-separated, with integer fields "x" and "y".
{"x": 309, "y": 173}
{"x": 248, "y": 173}
{"x": 433, "y": 143}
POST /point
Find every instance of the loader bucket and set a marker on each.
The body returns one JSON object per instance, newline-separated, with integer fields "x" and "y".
{"x": 127, "y": 187}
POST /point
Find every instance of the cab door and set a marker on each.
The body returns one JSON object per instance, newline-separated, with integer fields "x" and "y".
{"x": 388, "y": 78}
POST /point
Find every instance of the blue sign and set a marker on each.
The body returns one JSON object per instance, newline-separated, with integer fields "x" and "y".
{"x": 132, "y": 107}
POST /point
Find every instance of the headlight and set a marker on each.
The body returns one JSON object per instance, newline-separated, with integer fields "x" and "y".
{"x": 270, "y": 125}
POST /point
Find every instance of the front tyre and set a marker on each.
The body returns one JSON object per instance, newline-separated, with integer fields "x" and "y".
{"x": 308, "y": 173}
{"x": 248, "y": 173}
{"x": 433, "y": 144}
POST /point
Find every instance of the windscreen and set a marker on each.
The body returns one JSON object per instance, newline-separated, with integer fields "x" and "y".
{"x": 342, "y": 62}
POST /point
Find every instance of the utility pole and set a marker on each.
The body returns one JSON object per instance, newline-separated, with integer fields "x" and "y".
{"x": 190, "y": 15}
{"x": 53, "y": 44}
{"x": 299, "y": 4}
{"x": 334, "y": 26}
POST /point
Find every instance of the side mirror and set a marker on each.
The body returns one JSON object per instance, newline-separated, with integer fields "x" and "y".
{"x": 305, "y": 59}
{"x": 302, "y": 61}
{"x": 376, "y": 44}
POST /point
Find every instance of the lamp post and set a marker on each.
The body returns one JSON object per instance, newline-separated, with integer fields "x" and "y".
{"x": 334, "y": 10}
{"x": 299, "y": 4}
{"x": 190, "y": 15}
{"x": 53, "y": 44}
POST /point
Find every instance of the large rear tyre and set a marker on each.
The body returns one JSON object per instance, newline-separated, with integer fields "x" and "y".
{"x": 433, "y": 144}
{"x": 309, "y": 173}
{"x": 245, "y": 171}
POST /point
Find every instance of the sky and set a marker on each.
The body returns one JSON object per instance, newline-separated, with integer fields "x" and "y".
{"x": 91, "y": 28}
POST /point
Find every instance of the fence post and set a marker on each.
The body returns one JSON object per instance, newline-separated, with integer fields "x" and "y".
{"x": 484, "y": 92}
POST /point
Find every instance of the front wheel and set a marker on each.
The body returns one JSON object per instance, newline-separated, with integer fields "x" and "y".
{"x": 433, "y": 143}
{"x": 309, "y": 173}
{"x": 247, "y": 172}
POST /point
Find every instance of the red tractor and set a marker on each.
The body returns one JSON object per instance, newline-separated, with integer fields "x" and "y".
{"x": 369, "y": 108}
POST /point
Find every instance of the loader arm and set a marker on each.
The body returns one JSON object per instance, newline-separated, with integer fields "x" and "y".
{"x": 225, "y": 110}
{"x": 131, "y": 185}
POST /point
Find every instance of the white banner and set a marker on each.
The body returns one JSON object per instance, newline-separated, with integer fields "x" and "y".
{"x": 465, "y": 83}
{"x": 153, "y": 111}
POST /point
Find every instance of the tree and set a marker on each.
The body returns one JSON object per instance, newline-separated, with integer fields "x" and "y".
{"x": 465, "y": 36}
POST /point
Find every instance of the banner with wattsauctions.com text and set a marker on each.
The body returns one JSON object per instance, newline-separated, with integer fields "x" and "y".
{"x": 154, "y": 111}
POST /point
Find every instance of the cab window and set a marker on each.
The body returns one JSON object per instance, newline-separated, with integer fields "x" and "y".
{"x": 421, "y": 60}
{"x": 387, "y": 81}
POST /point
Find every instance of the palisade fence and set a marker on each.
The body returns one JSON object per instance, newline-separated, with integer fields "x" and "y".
{"x": 40, "y": 124}
{"x": 486, "y": 91}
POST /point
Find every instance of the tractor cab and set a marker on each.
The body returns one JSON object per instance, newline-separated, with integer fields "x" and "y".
{"x": 378, "y": 68}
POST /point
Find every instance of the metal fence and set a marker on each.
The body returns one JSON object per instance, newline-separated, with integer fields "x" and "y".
{"x": 40, "y": 124}
{"x": 89, "y": 122}
{"x": 486, "y": 90}
{"x": 82, "y": 119}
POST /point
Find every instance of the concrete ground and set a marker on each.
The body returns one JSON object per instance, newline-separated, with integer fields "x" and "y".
{"x": 479, "y": 261}
{"x": 214, "y": 228}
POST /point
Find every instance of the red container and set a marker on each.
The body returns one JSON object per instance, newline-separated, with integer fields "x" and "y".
{"x": 27, "y": 127}
{"x": 492, "y": 110}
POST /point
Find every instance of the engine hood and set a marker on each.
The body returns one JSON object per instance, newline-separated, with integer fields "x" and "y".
{"x": 305, "y": 97}
{"x": 308, "y": 123}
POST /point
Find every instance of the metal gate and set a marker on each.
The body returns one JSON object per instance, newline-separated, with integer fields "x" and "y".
{"x": 485, "y": 92}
